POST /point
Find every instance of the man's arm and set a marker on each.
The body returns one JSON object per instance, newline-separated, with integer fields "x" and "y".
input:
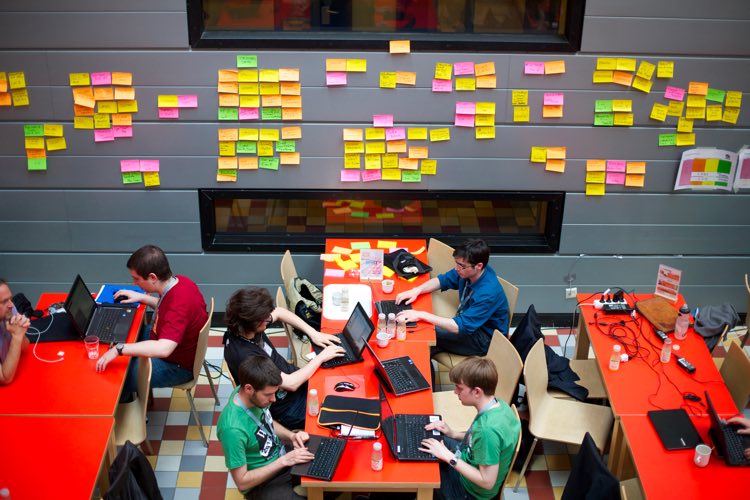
{"x": 484, "y": 476}
{"x": 17, "y": 326}
{"x": 247, "y": 479}
{"x": 288, "y": 317}
{"x": 292, "y": 381}
{"x": 145, "y": 349}
{"x": 410, "y": 296}
{"x": 133, "y": 296}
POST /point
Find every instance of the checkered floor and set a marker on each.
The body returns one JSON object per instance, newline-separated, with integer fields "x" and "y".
{"x": 185, "y": 469}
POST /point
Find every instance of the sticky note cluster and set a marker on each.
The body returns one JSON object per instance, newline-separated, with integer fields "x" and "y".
{"x": 350, "y": 211}
{"x": 169, "y": 105}
{"x": 34, "y": 136}
{"x": 391, "y": 79}
{"x": 470, "y": 76}
{"x": 544, "y": 67}
{"x": 478, "y": 115}
{"x": 613, "y": 113}
{"x": 552, "y": 106}
{"x": 250, "y": 93}
{"x": 553, "y": 157}
{"x": 520, "y": 101}
{"x": 622, "y": 71}
{"x": 13, "y": 89}
{"x": 337, "y": 70}
{"x": 105, "y": 103}
{"x": 252, "y": 148}
{"x": 617, "y": 172}
{"x": 140, "y": 171}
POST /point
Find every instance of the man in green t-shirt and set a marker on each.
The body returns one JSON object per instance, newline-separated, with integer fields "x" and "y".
{"x": 252, "y": 441}
{"x": 473, "y": 464}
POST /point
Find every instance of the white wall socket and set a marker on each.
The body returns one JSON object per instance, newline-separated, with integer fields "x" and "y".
{"x": 570, "y": 293}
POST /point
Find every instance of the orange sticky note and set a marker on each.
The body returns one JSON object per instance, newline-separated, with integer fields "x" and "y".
{"x": 622, "y": 78}
{"x": 122, "y": 93}
{"x": 486, "y": 81}
{"x": 104, "y": 93}
{"x": 248, "y": 163}
{"x": 636, "y": 167}
{"x": 120, "y": 78}
{"x": 418, "y": 152}
{"x": 228, "y": 134}
{"x": 698, "y": 88}
{"x": 406, "y": 78}
{"x": 291, "y": 133}
{"x": 352, "y": 134}
{"x": 634, "y": 180}
{"x": 554, "y": 67}
{"x": 290, "y": 88}
{"x": 227, "y": 75}
{"x": 271, "y": 101}
{"x": 289, "y": 158}
{"x": 291, "y": 101}
{"x": 556, "y": 153}
{"x": 229, "y": 100}
{"x": 335, "y": 64}
{"x": 228, "y": 163}
{"x": 596, "y": 165}
{"x": 552, "y": 111}
{"x": 400, "y": 46}
{"x": 484, "y": 69}
{"x": 555, "y": 166}
{"x": 288, "y": 74}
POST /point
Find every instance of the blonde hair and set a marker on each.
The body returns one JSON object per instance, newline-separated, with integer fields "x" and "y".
{"x": 476, "y": 372}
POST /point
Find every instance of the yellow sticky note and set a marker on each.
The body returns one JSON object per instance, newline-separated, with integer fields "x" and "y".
{"x": 356, "y": 257}
{"x": 375, "y": 134}
{"x": 268, "y": 88}
{"x": 400, "y": 46}
{"x": 636, "y": 167}
{"x": 731, "y": 115}
{"x": 659, "y": 112}
{"x": 484, "y": 132}
{"x": 596, "y": 165}
{"x": 341, "y": 250}
{"x": 227, "y": 148}
{"x": 328, "y": 257}
{"x": 696, "y": 101}
{"x": 20, "y": 97}
{"x": 538, "y": 154}
{"x": 151, "y": 179}
{"x": 34, "y": 142}
{"x": 642, "y": 84}
{"x": 466, "y": 84}
{"x": 595, "y": 189}
{"x": 101, "y": 121}
{"x": 375, "y": 147}
{"x": 552, "y": 111}
{"x": 484, "y": 69}
{"x": 623, "y": 119}
{"x": 246, "y": 101}
{"x": 390, "y": 161}
{"x": 386, "y": 244}
{"x": 485, "y": 108}
{"x": 625, "y": 64}
{"x": 443, "y": 71}
{"x": 109, "y": 107}
{"x": 665, "y": 69}
{"x": 354, "y": 147}
{"x": 248, "y": 134}
{"x": 713, "y": 114}
{"x": 393, "y": 174}
{"x": 645, "y": 70}
{"x": 268, "y": 75}
{"x": 555, "y": 166}
{"x": 56, "y": 144}
{"x": 675, "y": 108}
{"x": 372, "y": 161}
{"x": 733, "y": 99}
{"x": 695, "y": 113}
{"x": 352, "y": 160}
{"x": 685, "y": 139}
{"x": 387, "y": 80}
{"x": 429, "y": 167}
{"x": 685, "y": 125}
{"x": 16, "y": 80}
{"x": 83, "y": 122}
{"x": 167, "y": 101}
{"x": 622, "y": 105}
{"x": 268, "y": 134}
{"x": 596, "y": 177}
{"x": 265, "y": 148}
{"x": 606, "y": 63}
{"x": 485, "y": 120}
{"x": 127, "y": 106}
{"x": 603, "y": 76}
{"x": 521, "y": 113}
{"x": 356, "y": 65}
{"x": 554, "y": 67}
{"x": 519, "y": 98}
{"x": 79, "y": 79}
{"x": 352, "y": 134}
{"x": 247, "y": 76}
{"x": 406, "y": 78}
{"x": 415, "y": 134}
{"x": 387, "y": 271}
{"x": 636, "y": 180}
{"x": 440, "y": 134}
{"x": 53, "y": 130}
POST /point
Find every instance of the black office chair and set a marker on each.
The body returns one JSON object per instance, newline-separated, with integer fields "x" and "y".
{"x": 589, "y": 478}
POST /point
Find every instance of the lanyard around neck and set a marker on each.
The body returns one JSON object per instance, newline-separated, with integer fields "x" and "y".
{"x": 467, "y": 436}
{"x": 171, "y": 283}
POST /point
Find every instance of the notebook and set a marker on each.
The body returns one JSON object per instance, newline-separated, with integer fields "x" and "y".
{"x": 405, "y": 432}
{"x": 327, "y": 453}
{"x": 729, "y": 444}
{"x": 675, "y": 429}
{"x": 354, "y": 338}
{"x": 110, "y": 322}
{"x": 399, "y": 375}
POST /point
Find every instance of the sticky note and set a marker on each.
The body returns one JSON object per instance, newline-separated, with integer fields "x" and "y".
{"x": 151, "y": 179}
{"x": 443, "y": 71}
{"x": 268, "y": 163}
{"x": 554, "y": 67}
{"x": 594, "y": 189}
{"x": 109, "y": 107}
{"x": 356, "y": 65}
{"x": 130, "y": 166}
{"x": 131, "y": 178}
{"x": 659, "y": 112}
{"x": 270, "y": 114}
{"x": 442, "y": 85}
{"x": 622, "y": 78}
{"x": 696, "y": 101}
{"x": 615, "y": 178}
{"x": 554, "y": 98}
{"x": 733, "y": 99}
{"x": 56, "y": 144}
{"x": 406, "y": 78}
{"x": 20, "y": 97}
{"x": 400, "y": 46}
{"x": 290, "y": 88}
{"x": 352, "y": 134}
{"x": 416, "y": 134}
{"x": 645, "y": 70}
{"x": 371, "y": 175}
{"x": 408, "y": 163}
{"x": 372, "y": 161}
{"x": 695, "y": 113}
{"x": 268, "y": 134}
{"x": 127, "y": 106}
{"x": 622, "y": 105}
{"x": 463, "y": 120}
{"x": 667, "y": 139}
{"x": 487, "y": 82}
{"x": 149, "y": 165}
{"x": 122, "y": 131}
{"x": 387, "y": 80}
{"x": 83, "y": 122}
{"x": 685, "y": 125}
{"x": 521, "y": 113}
{"x": 636, "y": 167}
{"x": 715, "y": 95}
{"x": 440, "y": 134}
{"x": 665, "y": 69}
{"x": 428, "y": 167}
{"x": 603, "y": 106}
{"x": 604, "y": 119}
{"x": 625, "y": 64}
{"x": 79, "y": 79}
{"x": 395, "y": 133}
{"x": 642, "y": 84}
{"x": 247, "y": 61}
{"x": 349, "y": 176}
{"x": 101, "y": 121}
{"x": 596, "y": 177}
{"x": 335, "y": 78}
{"x": 167, "y": 101}
{"x": 616, "y": 165}
{"x": 33, "y": 130}
{"x": 730, "y": 115}
{"x": 247, "y": 76}
{"x": 675, "y": 108}
{"x": 101, "y": 78}
{"x": 169, "y": 113}
{"x": 674, "y": 93}
{"x": 227, "y": 75}
{"x": 533, "y": 68}
{"x": 552, "y": 112}
{"x": 396, "y": 146}
{"x": 596, "y": 165}
{"x": 555, "y": 166}
{"x": 286, "y": 146}
{"x": 603, "y": 77}
{"x": 291, "y": 133}
{"x": 288, "y": 74}
{"x": 634, "y": 180}
{"x": 382, "y": 120}
{"x": 289, "y": 158}
{"x": 466, "y": 108}
{"x": 16, "y": 80}
{"x": 247, "y": 163}
{"x": 556, "y": 152}
{"x": 352, "y": 161}
{"x": 122, "y": 78}
{"x": 120, "y": 93}
{"x": 698, "y": 88}
{"x": 538, "y": 154}
{"x": 606, "y": 63}
{"x": 519, "y": 97}
{"x": 623, "y": 119}
{"x": 418, "y": 152}
{"x": 227, "y": 163}
{"x": 376, "y": 134}
{"x": 268, "y": 75}
{"x": 484, "y": 69}
{"x": 248, "y": 134}
{"x": 713, "y": 114}
{"x": 375, "y": 147}
{"x": 247, "y": 147}
{"x": 51, "y": 130}
{"x": 685, "y": 139}
{"x": 463, "y": 68}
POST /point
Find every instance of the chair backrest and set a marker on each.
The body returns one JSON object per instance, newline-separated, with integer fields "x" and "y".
{"x": 200, "y": 351}
{"x": 511, "y": 293}
{"x": 144, "y": 383}
{"x": 288, "y": 271}
{"x": 589, "y": 476}
{"x": 736, "y": 374}
{"x": 515, "y": 453}
{"x": 508, "y": 363}
{"x": 281, "y": 302}
{"x": 535, "y": 378}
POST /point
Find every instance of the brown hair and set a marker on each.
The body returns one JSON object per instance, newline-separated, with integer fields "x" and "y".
{"x": 246, "y": 308}
{"x": 259, "y": 372}
{"x": 476, "y": 372}
{"x": 150, "y": 259}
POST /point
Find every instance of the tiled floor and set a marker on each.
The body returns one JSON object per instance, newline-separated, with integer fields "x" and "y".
{"x": 185, "y": 469}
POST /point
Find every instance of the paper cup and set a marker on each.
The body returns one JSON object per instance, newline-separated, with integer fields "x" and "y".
{"x": 382, "y": 339}
{"x": 387, "y": 286}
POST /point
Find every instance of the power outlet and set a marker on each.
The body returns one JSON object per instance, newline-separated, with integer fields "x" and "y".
{"x": 570, "y": 293}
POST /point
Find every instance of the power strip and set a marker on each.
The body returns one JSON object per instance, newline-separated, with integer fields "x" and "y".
{"x": 613, "y": 307}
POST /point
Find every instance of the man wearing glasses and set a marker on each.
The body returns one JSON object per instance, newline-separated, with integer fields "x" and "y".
{"x": 482, "y": 309}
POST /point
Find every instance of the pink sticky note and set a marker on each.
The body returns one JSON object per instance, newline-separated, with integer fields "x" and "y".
{"x": 463, "y": 68}
{"x": 169, "y": 113}
{"x": 442, "y": 85}
{"x": 187, "y": 101}
{"x": 464, "y": 120}
{"x": 554, "y": 98}
{"x": 249, "y": 113}
{"x": 615, "y": 178}
{"x": 349, "y": 175}
{"x": 334, "y": 273}
{"x": 382, "y": 120}
{"x": 674, "y": 93}
{"x": 395, "y": 134}
{"x": 104, "y": 135}
{"x": 371, "y": 175}
{"x": 130, "y": 166}
{"x": 335, "y": 78}
{"x": 149, "y": 165}
{"x": 616, "y": 165}
{"x": 122, "y": 131}
{"x": 533, "y": 68}
{"x": 466, "y": 108}
{"x": 103, "y": 78}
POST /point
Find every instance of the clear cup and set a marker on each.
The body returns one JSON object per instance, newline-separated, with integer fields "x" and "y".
{"x": 92, "y": 346}
{"x": 702, "y": 455}
{"x": 383, "y": 338}
{"x": 387, "y": 286}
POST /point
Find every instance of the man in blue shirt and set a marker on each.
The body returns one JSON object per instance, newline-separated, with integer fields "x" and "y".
{"x": 482, "y": 309}
{"x": 13, "y": 328}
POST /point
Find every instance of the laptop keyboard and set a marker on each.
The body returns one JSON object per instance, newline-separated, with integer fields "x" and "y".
{"x": 389, "y": 306}
{"x": 400, "y": 378}
{"x": 104, "y": 323}
{"x": 735, "y": 445}
{"x": 326, "y": 458}
{"x": 347, "y": 358}
{"x": 410, "y": 435}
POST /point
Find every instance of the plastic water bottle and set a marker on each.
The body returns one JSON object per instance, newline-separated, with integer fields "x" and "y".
{"x": 614, "y": 360}
{"x": 313, "y": 406}
{"x": 344, "y": 299}
{"x": 377, "y": 456}
{"x": 5, "y": 494}
{"x": 390, "y": 326}
{"x": 666, "y": 351}
{"x": 400, "y": 329}
{"x": 381, "y": 322}
{"x": 682, "y": 323}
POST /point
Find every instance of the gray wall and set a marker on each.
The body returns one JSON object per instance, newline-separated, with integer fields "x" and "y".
{"x": 78, "y": 217}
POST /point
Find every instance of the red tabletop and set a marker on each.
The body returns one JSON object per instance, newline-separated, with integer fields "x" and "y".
{"x": 67, "y": 387}
{"x": 52, "y": 457}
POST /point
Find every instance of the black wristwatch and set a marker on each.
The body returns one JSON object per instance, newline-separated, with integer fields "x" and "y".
{"x": 119, "y": 348}
{"x": 453, "y": 462}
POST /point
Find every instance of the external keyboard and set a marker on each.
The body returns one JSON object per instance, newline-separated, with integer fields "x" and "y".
{"x": 326, "y": 458}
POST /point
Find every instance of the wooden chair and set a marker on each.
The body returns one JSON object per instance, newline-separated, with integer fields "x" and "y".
{"x": 200, "y": 362}
{"x": 515, "y": 454}
{"x": 440, "y": 258}
{"x": 747, "y": 316}
{"x": 590, "y": 378}
{"x": 631, "y": 489}
{"x": 296, "y": 346}
{"x": 130, "y": 418}
{"x": 736, "y": 374}
{"x": 288, "y": 271}
{"x": 558, "y": 419}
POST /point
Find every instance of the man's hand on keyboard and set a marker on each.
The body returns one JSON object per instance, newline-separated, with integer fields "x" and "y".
{"x": 411, "y": 315}
{"x": 437, "y": 449}
{"x": 297, "y": 456}
{"x": 744, "y": 423}
{"x": 299, "y": 438}
{"x": 324, "y": 339}
{"x": 407, "y": 297}
{"x": 330, "y": 352}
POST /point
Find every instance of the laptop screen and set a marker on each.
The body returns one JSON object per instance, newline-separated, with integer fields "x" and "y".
{"x": 358, "y": 329}
{"x": 713, "y": 415}
{"x": 387, "y": 422}
{"x": 80, "y": 305}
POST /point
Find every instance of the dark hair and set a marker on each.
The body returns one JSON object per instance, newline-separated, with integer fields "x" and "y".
{"x": 259, "y": 372}
{"x": 476, "y": 372}
{"x": 246, "y": 308}
{"x": 474, "y": 251}
{"x": 150, "y": 259}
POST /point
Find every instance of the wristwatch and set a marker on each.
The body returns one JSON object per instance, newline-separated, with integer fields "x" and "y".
{"x": 119, "y": 348}
{"x": 453, "y": 461}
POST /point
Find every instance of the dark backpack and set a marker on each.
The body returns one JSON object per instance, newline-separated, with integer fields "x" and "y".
{"x": 306, "y": 300}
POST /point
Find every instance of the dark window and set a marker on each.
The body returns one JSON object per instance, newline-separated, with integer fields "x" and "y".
{"x": 477, "y": 25}
{"x": 273, "y": 221}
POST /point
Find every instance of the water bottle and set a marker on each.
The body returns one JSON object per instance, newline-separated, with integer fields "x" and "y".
{"x": 390, "y": 326}
{"x": 4, "y": 494}
{"x": 400, "y": 329}
{"x": 682, "y": 323}
{"x": 666, "y": 351}
{"x": 614, "y": 360}
{"x": 377, "y": 456}
{"x": 381, "y": 322}
{"x": 312, "y": 403}
{"x": 344, "y": 299}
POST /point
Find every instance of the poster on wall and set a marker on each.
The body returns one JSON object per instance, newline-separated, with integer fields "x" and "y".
{"x": 706, "y": 169}
{"x": 742, "y": 179}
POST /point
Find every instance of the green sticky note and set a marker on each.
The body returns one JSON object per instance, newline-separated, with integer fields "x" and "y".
{"x": 131, "y": 178}
{"x": 37, "y": 163}
{"x": 604, "y": 119}
{"x": 33, "y": 130}
{"x": 360, "y": 215}
{"x": 245, "y": 61}
{"x": 411, "y": 176}
{"x": 359, "y": 245}
{"x": 268, "y": 163}
{"x": 715, "y": 95}
{"x": 603, "y": 106}
{"x": 667, "y": 139}
{"x": 247, "y": 147}
{"x": 229, "y": 114}
{"x": 270, "y": 114}
{"x": 286, "y": 146}
{"x": 227, "y": 171}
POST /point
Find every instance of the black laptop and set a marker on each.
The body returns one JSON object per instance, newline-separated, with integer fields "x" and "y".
{"x": 327, "y": 453}
{"x": 354, "y": 338}
{"x": 110, "y": 322}
{"x": 675, "y": 429}
{"x": 389, "y": 306}
{"x": 399, "y": 375}
{"x": 729, "y": 444}
{"x": 404, "y": 432}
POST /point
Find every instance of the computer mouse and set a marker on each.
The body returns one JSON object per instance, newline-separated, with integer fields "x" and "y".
{"x": 120, "y": 299}
{"x": 343, "y": 386}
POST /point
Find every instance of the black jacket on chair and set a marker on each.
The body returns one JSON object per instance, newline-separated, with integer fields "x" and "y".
{"x": 131, "y": 476}
{"x": 589, "y": 478}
